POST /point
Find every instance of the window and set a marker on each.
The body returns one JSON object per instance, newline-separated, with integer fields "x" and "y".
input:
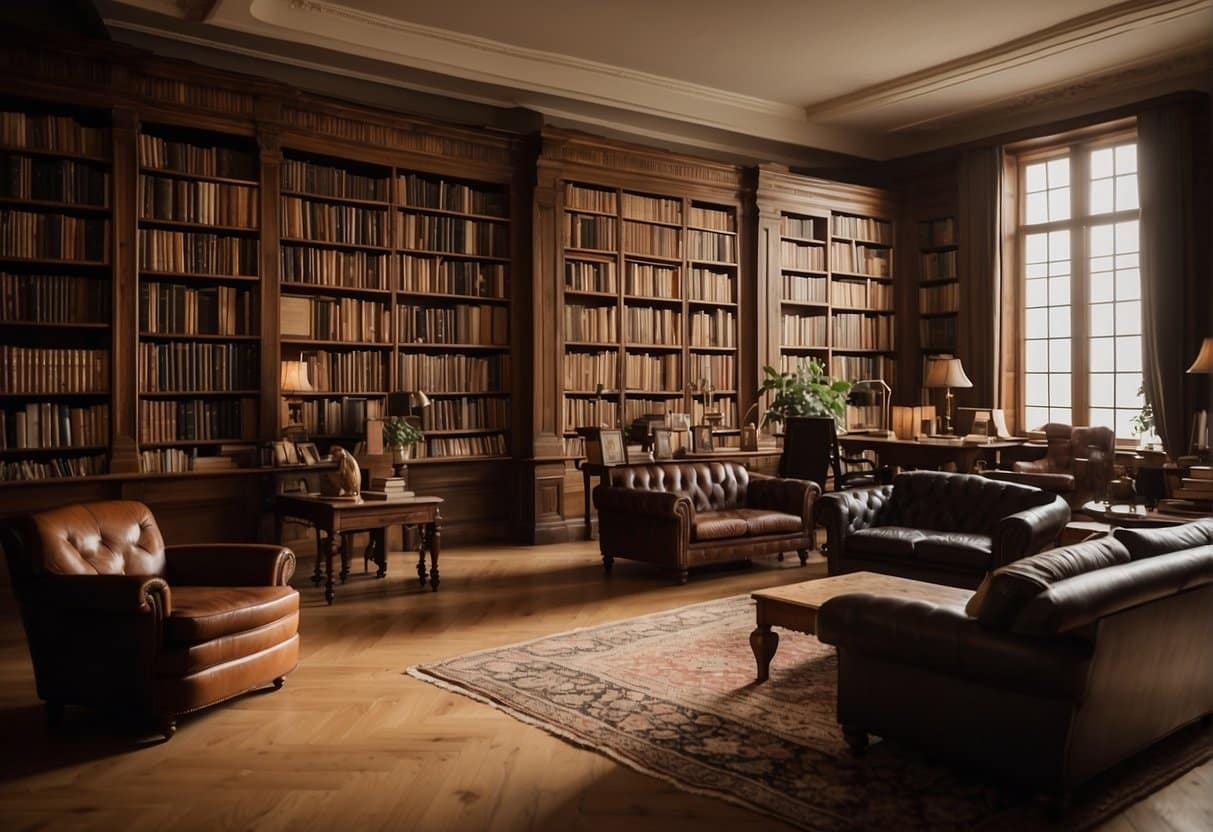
{"x": 1081, "y": 285}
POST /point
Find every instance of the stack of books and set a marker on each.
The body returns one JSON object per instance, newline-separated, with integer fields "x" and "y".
{"x": 387, "y": 488}
{"x": 1197, "y": 486}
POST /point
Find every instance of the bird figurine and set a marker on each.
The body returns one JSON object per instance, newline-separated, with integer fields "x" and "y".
{"x": 349, "y": 475}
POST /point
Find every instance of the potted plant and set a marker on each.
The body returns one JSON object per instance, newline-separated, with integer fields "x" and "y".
{"x": 400, "y": 435}
{"x": 806, "y": 391}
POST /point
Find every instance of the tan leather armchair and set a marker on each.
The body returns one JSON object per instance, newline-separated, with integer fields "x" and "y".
{"x": 1077, "y": 465}
{"x": 117, "y": 620}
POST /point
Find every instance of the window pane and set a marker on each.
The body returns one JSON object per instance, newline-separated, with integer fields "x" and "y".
{"x": 1102, "y": 355}
{"x": 1124, "y": 423}
{"x": 1059, "y": 291}
{"x": 1101, "y": 417}
{"x": 1037, "y": 270}
{"x": 1036, "y": 323}
{"x": 1128, "y": 318}
{"x": 1101, "y": 163}
{"x": 1036, "y": 293}
{"x": 1036, "y": 417}
{"x": 1101, "y": 319}
{"x": 1128, "y": 284}
{"x": 1059, "y": 244}
{"x": 1127, "y": 385}
{"x": 1036, "y": 356}
{"x": 1101, "y": 241}
{"x": 1059, "y": 390}
{"x": 1060, "y": 415}
{"x": 1101, "y": 264}
{"x": 1059, "y": 321}
{"x": 1126, "y": 158}
{"x": 1059, "y": 172}
{"x": 1103, "y": 390}
{"x": 1101, "y": 196}
{"x": 1128, "y": 353}
{"x": 1126, "y": 192}
{"x": 1127, "y": 261}
{"x": 1034, "y": 177}
{"x": 1059, "y": 355}
{"x": 1059, "y": 204}
{"x": 1037, "y": 248}
{"x": 1037, "y": 208}
{"x": 1036, "y": 389}
{"x": 1101, "y": 288}
{"x": 1126, "y": 236}
{"x": 1059, "y": 267}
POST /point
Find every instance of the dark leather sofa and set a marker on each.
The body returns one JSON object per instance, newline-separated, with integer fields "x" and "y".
{"x": 944, "y": 528}
{"x": 1060, "y": 666}
{"x": 685, "y": 514}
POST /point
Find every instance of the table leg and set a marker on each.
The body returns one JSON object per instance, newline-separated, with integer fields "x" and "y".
{"x": 763, "y": 641}
{"x": 347, "y": 543}
{"x": 379, "y": 541}
{"x": 317, "y": 573}
{"x": 331, "y": 551}
{"x": 421, "y": 573}
{"x": 435, "y": 542}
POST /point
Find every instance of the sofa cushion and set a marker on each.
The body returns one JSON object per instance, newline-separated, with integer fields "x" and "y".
{"x": 884, "y": 540}
{"x": 760, "y": 521}
{"x": 717, "y": 525}
{"x": 182, "y": 659}
{"x": 1007, "y": 591}
{"x": 959, "y": 548}
{"x": 202, "y": 613}
{"x": 1146, "y": 543}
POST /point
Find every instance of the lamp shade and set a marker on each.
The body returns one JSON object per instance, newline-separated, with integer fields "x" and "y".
{"x": 1204, "y": 359}
{"x": 294, "y": 378}
{"x": 946, "y": 372}
{"x": 420, "y": 400}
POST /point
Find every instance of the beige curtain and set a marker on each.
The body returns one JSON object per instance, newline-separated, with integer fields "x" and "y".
{"x": 980, "y": 268}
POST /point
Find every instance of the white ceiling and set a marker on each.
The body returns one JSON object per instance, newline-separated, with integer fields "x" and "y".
{"x": 874, "y": 78}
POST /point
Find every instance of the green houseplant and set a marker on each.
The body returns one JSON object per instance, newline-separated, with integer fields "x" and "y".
{"x": 806, "y": 391}
{"x": 400, "y": 435}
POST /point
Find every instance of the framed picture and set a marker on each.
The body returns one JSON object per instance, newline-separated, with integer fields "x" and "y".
{"x": 701, "y": 439}
{"x": 678, "y": 421}
{"x": 309, "y": 453}
{"x": 749, "y": 438}
{"x": 614, "y": 452}
{"x": 663, "y": 443}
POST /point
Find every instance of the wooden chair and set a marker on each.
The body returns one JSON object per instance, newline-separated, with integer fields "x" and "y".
{"x": 811, "y": 452}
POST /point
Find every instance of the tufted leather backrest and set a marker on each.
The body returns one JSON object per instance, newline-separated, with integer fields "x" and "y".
{"x": 116, "y": 537}
{"x": 957, "y": 502}
{"x": 710, "y": 486}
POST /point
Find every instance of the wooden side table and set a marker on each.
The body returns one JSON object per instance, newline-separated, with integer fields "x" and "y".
{"x": 337, "y": 518}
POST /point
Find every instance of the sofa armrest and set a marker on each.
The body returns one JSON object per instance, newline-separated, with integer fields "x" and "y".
{"x": 133, "y": 594}
{"x": 1027, "y": 532}
{"x": 943, "y": 639}
{"x": 843, "y": 512}
{"x": 229, "y": 564}
{"x": 789, "y": 496}
{"x": 1054, "y": 483}
{"x": 655, "y": 504}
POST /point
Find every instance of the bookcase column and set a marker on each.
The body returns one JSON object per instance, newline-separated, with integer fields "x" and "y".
{"x": 767, "y": 289}
{"x": 271, "y": 180}
{"x": 547, "y": 316}
{"x": 124, "y": 378}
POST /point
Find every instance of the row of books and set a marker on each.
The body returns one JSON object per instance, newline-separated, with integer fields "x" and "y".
{"x": 573, "y": 446}
{"x": 937, "y": 332}
{"x": 856, "y": 367}
{"x": 803, "y": 330}
{"x": 719, "y": 369}
{"x": 197, "y": 252}
{"x": 589, "y": 276}
{"x": 847, "y": 257}
{"x": 589, "y": 199}
{"x": 49, "y": 469}
{"x": 653, "y": 240}
{"x": 715, "y": 328}
{"x": 61, "y": 134}
{"x": 326, "y": 180}
{"x": 797, "y": 256}
{"x": 424, "y": 192}
{"x": 863, "y": 228}
{"x": 454, "y": 373}
{"x": 346, "y": 416}
{"x": 324, "y": 222}
{"x": 189, "y": 200}
{"x": 590, "y": 323}
{"x": 353, "y": 371}
{"x": 453, "y": 277}
{"x": 708, "y": 245}
{"x": 942, "y": 298}
{"x": 465, "y": 413}
{"x": 182, "y": 310}
{"x": 53, "y": 180}
{"x": 649, "y": 325}
{"x": 938, "y": 265}
{"x": 863, "y": 332}
{"x": 584, "y": 371}
{"x": 710, "y": 285}
{"x": 334, "y": 267}
{"x": 454, "y": 235}
{"x": 334, "y": 319}
{"x": 54, "y": 425}
{"x": 580, "y": 412}
{"x": 806, "y": 228}
{"x": 862, "y": 294}
{"x": 176, "y": 460}
{"x": 651, "y": 372}
{"x": 44, "y": 370}
{"x": 197, "y": 419}
{"x": 493, "y": 444}
{"x": 183, "y": 157}
{"x": 198, "y": 367}
{"x": 53, "y": 236}
{"x": 54, "y": 298}
{"x": 804, "y": 289}
{"x": 652, "y": 208}
{"x": 940, "y": 232}
{"x": 589, "y": 231}
{"x": 458, "y": 324}
{"x": 716, "y": 219}
{"x": 652, "y": 281}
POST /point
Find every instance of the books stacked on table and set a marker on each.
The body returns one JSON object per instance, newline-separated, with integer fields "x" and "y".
{"x": 387, "y": 488}
{"x": 1197, "y": 487}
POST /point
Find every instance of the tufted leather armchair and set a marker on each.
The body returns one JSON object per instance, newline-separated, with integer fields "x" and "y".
{"x": 1077, "y": 464}
{"x": 932, "y": 526}
{"x": 117, "y": 620}
{"x": 684, "y": 514}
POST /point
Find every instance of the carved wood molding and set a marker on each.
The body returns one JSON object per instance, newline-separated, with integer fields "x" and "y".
{"x": 780, "y": 188}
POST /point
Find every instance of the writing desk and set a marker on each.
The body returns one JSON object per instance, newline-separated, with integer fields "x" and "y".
{"x": 913, "y": 453}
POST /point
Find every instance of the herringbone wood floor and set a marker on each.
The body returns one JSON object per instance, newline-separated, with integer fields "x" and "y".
{"x": 353, "y": 743}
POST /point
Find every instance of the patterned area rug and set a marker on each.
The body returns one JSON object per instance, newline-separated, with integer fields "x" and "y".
{"x": 673, "y": 695}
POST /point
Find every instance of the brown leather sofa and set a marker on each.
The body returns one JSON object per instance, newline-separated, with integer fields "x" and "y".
{"x": 685, "y": 514}
{"x": 1060, "y": 666}
{"x": 1077, "y": 464}
{"x": 932, "y": 526}
{"x": 117, "y": 620}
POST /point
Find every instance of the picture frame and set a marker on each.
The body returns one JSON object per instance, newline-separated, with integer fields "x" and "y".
{"x": 614, "y": 451}
{"x": 663, "y": 443}
{"x": 749, "y": 438}
{"x": 701, "y": 439}
{"x": 309, "y": 454}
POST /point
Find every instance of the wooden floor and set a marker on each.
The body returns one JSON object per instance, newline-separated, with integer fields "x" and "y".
{"x": 353, "y": 743}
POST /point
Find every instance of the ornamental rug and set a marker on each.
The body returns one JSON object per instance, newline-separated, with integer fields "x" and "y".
{"x": 673, "y": 695}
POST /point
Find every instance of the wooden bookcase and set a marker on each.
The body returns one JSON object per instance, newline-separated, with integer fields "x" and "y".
{"x": 938, "y": 285}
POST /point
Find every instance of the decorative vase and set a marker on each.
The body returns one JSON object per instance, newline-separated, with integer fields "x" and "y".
{"x": 401, "y": 454}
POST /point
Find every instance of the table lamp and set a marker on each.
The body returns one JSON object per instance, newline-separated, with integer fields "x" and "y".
{"x": 1203, "y": 365}
{"x": 293, "y": 379}
{"x": 946, "y": 372}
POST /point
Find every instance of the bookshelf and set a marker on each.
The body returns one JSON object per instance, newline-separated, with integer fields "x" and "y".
{"x": 198, "y": 255}
{"x": 56, "y": 287}
{"x": 938, "y": 285}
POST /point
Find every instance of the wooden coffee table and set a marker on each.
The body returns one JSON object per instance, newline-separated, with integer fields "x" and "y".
{"x": 794, "y": 607}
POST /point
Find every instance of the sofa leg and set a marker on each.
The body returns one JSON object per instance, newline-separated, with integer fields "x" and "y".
{"x": 804, "y": 556}
{"x": 54, "y": 716}
{"x": 166, "y": 725}
{"x": 683, "y": 574}
{"x": 608, "y": 561}
{"x": 279, "y": 682}
{"x": 857, "y": 738}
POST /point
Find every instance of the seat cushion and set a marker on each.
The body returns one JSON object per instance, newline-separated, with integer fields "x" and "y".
{"x": 717, "y": 525}
{"x": 958, "y": 548}
{"x": 202, "y": 613}
{"x": 884, "y": 540}
{"x": 176, "y": 659}
{"x": 760, "y": 521}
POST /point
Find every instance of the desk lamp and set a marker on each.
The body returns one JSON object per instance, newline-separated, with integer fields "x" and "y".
{"x": 946, "y": 372}
{"x": 1203, "y": 365}
{"x": 293, "y": 379}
